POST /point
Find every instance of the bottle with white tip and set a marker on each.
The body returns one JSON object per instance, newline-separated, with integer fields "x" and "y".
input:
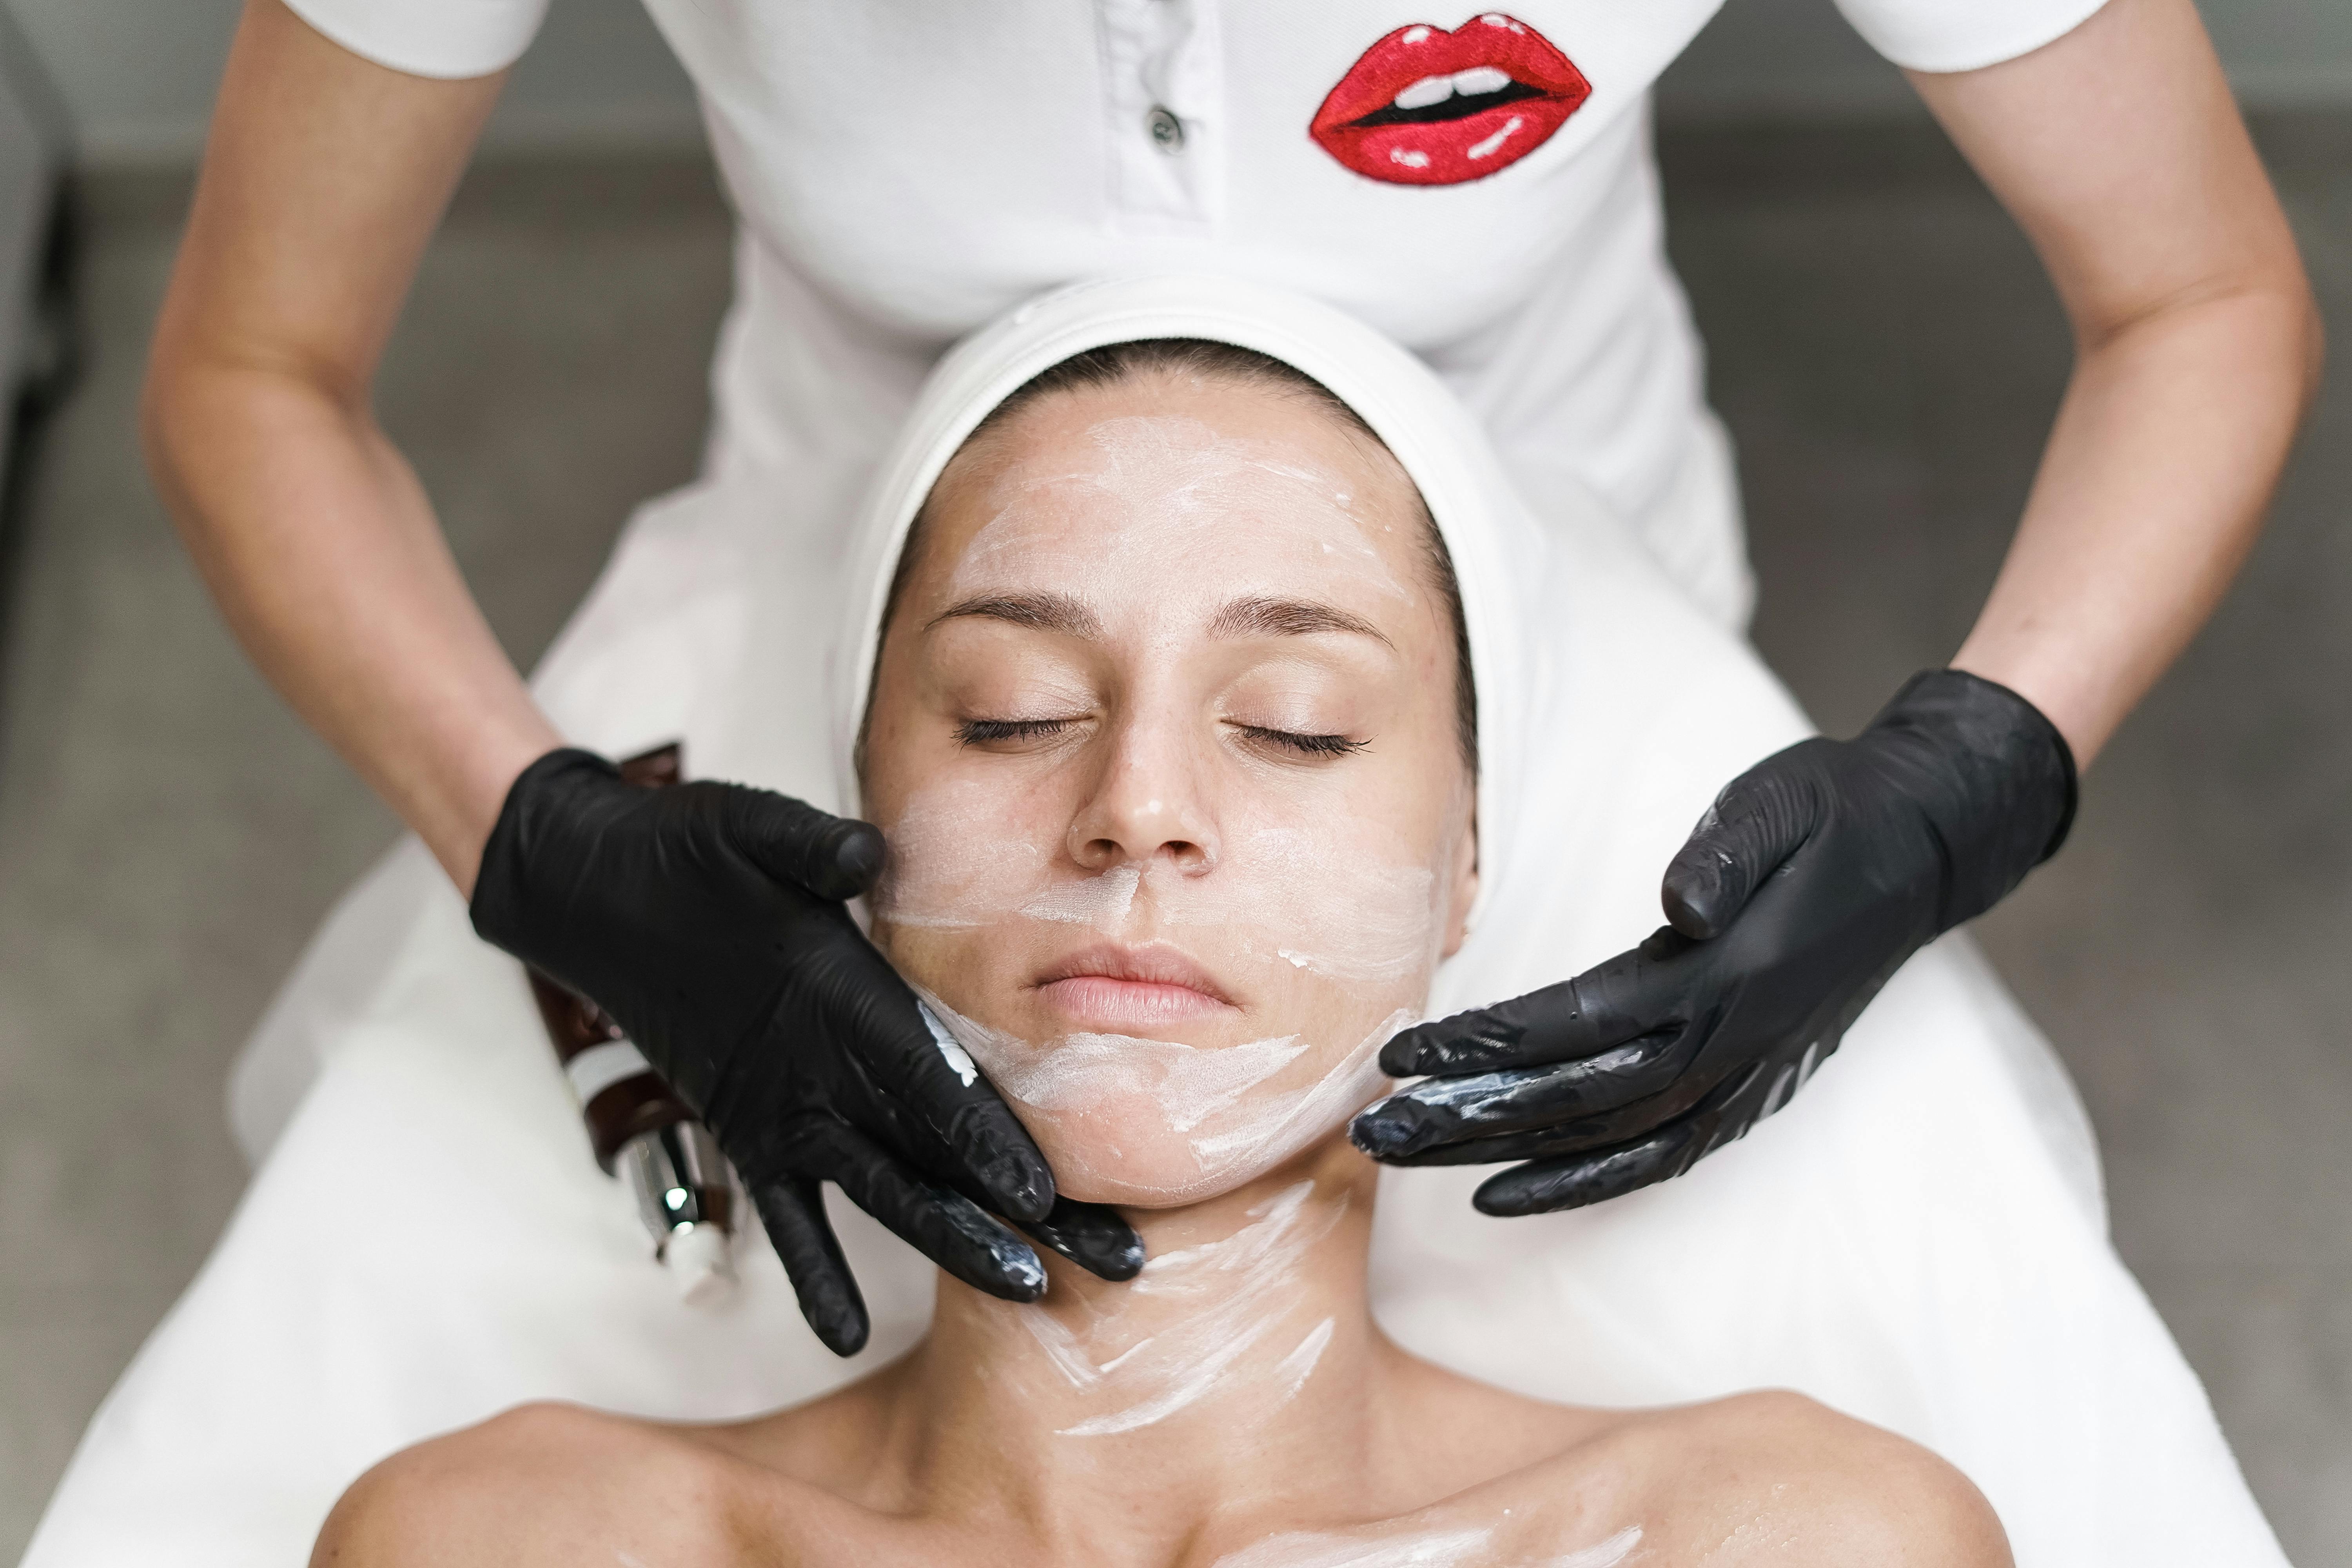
{"x": 640, "y": 1131}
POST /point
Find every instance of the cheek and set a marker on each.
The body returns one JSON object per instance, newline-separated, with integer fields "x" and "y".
{"x": 1341, "y": 885}
{"x": 1327, "y": 904}
{"x": 966, "y": 851}
{"x": 1337, "y": 901}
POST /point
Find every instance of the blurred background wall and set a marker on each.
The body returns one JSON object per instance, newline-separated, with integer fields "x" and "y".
{"x": 137, "y": 75}
{"x": 140, "y": 74}
{"x": 1798, "y": 60}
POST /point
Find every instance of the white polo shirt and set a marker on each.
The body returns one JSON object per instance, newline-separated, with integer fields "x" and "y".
{"x": 1479, "y": 187}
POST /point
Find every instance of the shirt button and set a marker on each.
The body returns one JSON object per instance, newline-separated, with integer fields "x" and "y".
{"x": 1167, "y": 132}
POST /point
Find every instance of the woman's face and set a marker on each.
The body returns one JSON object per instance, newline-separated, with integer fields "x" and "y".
{"x": 1163, "y": 738}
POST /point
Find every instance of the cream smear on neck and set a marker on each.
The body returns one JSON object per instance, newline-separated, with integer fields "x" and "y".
{"x": 1228, "y": 1297}
{"x": 1425, "y": 1549}
{"x": 1603, "y": 1553}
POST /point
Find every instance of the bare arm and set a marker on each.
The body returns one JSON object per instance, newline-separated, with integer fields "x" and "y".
{"x": 2119, "y": 149}
{"x": 325, "y": 176}
{"x": 1824, "y": 867}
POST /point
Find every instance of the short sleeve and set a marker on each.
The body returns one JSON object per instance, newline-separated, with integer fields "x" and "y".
{"x": 1962, "y": 35}
{"x": 429, "y": 38}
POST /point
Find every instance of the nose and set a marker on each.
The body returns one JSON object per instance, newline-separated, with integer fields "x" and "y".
{"x": 1148, "y": 800}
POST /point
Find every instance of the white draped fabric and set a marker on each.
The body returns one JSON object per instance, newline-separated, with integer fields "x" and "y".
{"x": 1918, "y": 1239}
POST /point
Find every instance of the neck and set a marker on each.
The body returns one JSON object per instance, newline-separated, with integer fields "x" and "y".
{"x": 1223, "y": 1372}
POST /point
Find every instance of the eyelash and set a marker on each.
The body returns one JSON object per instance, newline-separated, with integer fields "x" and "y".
{"x": 982, "y": 731}
{"x": 1305, "y": 745}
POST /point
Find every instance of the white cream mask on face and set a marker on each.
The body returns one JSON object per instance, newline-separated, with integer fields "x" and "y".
{"x": 1123, "y": 529}
{"x": 1302, "y": 896}
{"x": 1289, "y": 889}
{"x": 1154, "y": 497}
{"x": 1317, "y": 893}
{"x": 1158, "y": 1122}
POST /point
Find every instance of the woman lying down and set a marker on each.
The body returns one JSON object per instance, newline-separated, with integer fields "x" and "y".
{"x": 1173, "y": 731}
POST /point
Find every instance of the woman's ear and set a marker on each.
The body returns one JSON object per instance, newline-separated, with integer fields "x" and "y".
{"x": 1463, "y": 885}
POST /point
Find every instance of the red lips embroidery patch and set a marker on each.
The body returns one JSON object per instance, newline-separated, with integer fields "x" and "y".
{"x": 1426, "y": 107}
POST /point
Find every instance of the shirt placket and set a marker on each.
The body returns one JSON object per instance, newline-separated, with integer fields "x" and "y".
{"x": 1163, "y": 73}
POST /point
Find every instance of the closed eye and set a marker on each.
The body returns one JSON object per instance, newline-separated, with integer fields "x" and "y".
{"x": 985, "y": 731}
{"x": 982, "y": 732}
{"x": 1303, "y": 745}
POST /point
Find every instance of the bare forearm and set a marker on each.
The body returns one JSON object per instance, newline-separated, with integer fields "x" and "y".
{"x": 2120, "y": 151}
{"x": 324, "y": 177}
{"x": 323, "y": 551}
{"x": 2159, "y": 471}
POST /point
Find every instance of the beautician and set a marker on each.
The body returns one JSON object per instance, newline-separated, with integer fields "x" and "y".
{"x": 1479, "y": 187}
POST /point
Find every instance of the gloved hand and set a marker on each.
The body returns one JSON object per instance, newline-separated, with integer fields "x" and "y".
{"x": 1806, "y": 885}
{"x": 708, "y": 920}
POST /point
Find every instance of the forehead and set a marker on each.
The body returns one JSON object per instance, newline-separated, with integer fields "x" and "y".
{"x": 1173, "y": 483}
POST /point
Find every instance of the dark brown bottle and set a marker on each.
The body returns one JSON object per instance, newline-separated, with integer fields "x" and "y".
{"x": 638, "y": 1130}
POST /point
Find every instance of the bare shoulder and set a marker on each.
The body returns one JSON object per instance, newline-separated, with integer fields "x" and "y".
{"x": 1766, "y": 1479}
{"x": 543, "y": 1483}
{"x": 1775, "y": 1478}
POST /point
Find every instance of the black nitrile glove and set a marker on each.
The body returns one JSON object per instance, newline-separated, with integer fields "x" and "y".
{"x": 708, "y": 920}
{"x": 1807, "y": 884}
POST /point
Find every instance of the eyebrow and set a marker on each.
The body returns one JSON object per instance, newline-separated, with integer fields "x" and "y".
{"x": 1254, "y": 616}
{"x": 1039, "y": 611}
{"x": 1263, "y": 618}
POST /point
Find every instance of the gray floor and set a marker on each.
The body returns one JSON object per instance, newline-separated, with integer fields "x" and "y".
{"x": 1887, "y": 356}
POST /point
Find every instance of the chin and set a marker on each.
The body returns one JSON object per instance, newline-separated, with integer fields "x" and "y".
{"x": 1099, "y": 1159}
{"x": 1155, "y": 1123}
{"x": 1143, "y": 1166}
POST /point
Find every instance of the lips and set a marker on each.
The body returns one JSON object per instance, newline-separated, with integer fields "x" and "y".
{"x": 1109, "y": 985}
{"x": 1426, "y": 107}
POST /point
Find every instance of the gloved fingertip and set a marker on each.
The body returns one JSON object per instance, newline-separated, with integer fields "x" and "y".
{"x": 1123, "y": 1265}
{"x": 1512, "y": 1202}
{"x": 1542, "y": 1188}
{"x": 846, "y": 865}
{"x": 1115, "y": 1258}
{"x": 1503, "y": 1205}
{"x": 1021, "y": 1186}
{"x": 857, "y": 859}
{"x": 976, "y": 1249}
{"x": 1020, "y": 1271}
{"x": 793, "y": 1216}
{"x": 1696, "y": 911}
{"x": 830, "y": 1303}
{"x": 1093, "y": 1236}
{"x": 842, "y": 1331}
{"x": 1402, "y": 1057}
{"x": 1382, "y": 1133}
